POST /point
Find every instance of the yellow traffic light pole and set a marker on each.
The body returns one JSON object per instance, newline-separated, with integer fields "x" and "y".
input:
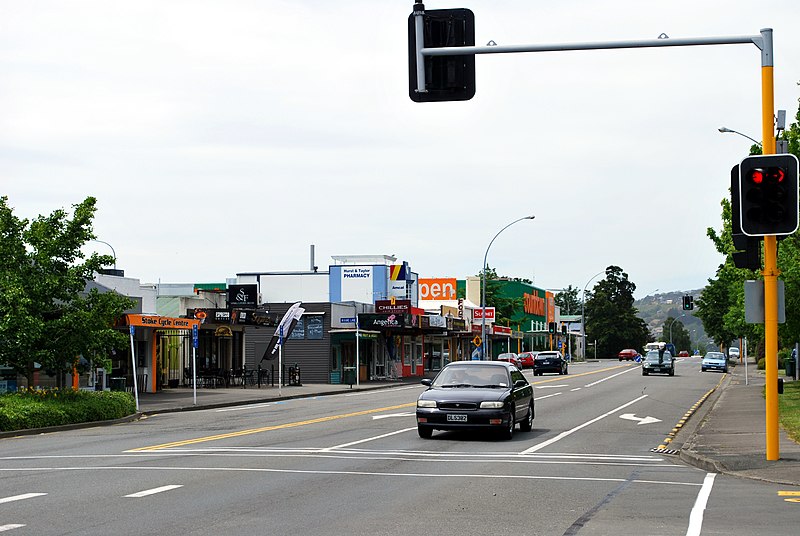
{"x": 770, "y": 271}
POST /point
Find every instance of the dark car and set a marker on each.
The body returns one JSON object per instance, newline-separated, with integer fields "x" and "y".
{"x": 549, "y": 362}
{"x": 489, "y": 395}
{"x": 526, "y": 359}
{"x": 629, "y": 354}
{"x": 512, "y": 358}
{"x": 653, "y": 363}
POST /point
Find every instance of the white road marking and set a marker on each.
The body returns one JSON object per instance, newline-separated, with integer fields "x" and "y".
{"x": 562, "y": 435}
{"x": 382, "y": 391}
{"x": 437, "y": 476}
{"x": 642, "y": 420}
{"x": 21, "y": 497}
{"x": 551, "y": 386}
{"x": 4, "y": 528}
{"x": 249, "y": 406}
{"x": 576, "y": 389}
{"x": 153, "y": 491}
{"x": 368, "y": 439}
{"x": 378, "y": 417}
{"x": 612, "y": 376}
{"x": 546, "y": 396}
{"x": 696, "y": 517}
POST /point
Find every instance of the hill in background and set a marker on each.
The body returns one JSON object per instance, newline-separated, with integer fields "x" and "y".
{"x": 655, "y": 310}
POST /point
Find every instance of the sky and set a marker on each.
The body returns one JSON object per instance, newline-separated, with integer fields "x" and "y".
{"x": 226, "y": 137}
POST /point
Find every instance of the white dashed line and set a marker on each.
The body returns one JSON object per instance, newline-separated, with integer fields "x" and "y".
{"x": 153, "y": 491}
{"x": 21, "y": 497}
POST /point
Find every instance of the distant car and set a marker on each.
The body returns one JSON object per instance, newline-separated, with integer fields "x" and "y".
{"x": 527, "y": 358}
{"x": 654, "y": 364}
{"x": 733, "y": 352}
{"x": 510, "y": 358}
{"x": 549, "y": 362}
{"x": 629, "y": 354}
{"x": 488, "y": 395}
{"x": 683, "y": 353}
{"x": 714, "y": 361}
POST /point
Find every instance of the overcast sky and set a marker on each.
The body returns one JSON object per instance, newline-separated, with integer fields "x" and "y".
{"x": 224, "y": 137}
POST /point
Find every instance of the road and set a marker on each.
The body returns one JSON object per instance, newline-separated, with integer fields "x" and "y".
{"x": 354, "y": 464}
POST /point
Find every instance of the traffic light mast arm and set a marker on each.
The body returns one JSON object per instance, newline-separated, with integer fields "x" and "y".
{"x": 757, "y": 40}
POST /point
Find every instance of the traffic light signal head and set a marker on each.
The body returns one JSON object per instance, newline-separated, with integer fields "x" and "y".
{"x": 563, "y": 329}
{"x": 447, "y": 78}
{"x": 688, "y": 303}
{"x": 768, "y": 196}
{"x": 551, "y": 327}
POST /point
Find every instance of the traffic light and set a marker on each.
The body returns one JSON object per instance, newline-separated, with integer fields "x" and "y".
{"x": 551, "y": 327}
{"x": 447, "y": 78}
{"x": 688, "y": 303}
{"x": 768, "y": 195}
{"x": 563, "y": 329}
{"x": 748, "y": 248}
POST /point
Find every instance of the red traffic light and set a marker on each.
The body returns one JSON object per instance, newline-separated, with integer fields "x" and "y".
{"x": 757, "y": 176}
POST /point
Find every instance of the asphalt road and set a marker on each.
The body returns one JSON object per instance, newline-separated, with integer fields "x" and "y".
{"x": 354, "y": 464}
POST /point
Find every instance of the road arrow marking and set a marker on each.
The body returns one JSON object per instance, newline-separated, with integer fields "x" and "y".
{"x": 376, "y": 417}
{"x": 642, "y": 420}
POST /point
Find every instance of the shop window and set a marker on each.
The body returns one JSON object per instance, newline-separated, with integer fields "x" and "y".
{"x": 314, "y": 327}
{"x": 299, "y": 331}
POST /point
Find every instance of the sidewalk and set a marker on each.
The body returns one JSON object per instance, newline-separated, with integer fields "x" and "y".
{"x": 730, "y": 438}
{"x": 182, "y": 398}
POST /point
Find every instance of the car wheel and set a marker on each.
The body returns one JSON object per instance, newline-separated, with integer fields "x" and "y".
{"x": 620, "y": 359}
{"x": 672, "y": 372}
{"x": 424, "y": 432}
{"x": 644, "y": 372}
{"x": 508, "y": 433}
{"x": 702, "y": 369}
{"x": 725, "y": 370}
{"x": 566, "y": 371}
{"x": 527, "y": 424}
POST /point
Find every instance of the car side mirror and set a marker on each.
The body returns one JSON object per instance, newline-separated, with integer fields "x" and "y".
{"x": 519, "y": 384}
{"x": 427, "y": 382}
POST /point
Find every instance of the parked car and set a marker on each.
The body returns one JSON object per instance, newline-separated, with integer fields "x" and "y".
{"x": 527, "y": 358}
{"x": 653, "y": 363}
{"x": 683, "y": 353}
{"x": 733, "y": 352}
{"x": 629, "y": 354}
{"x": 549, "y": 362}
{"x": 491, "y": 395}
{"x": 714, "y": 361}
{"x": 510, "y": 357}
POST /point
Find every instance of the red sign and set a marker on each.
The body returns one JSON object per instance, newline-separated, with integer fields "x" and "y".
{"x": 501, "y": 330}
{"x": 393, "y": 306}
{"x": 477, "y": 314}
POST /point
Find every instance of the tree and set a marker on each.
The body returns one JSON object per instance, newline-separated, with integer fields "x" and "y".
{"x": 680, "y": 337}
{"x": 504, "y": 307}
{"x": 45, "y": 315}
{"x": 611, "y": 317}
{"x": 568, "y": 301}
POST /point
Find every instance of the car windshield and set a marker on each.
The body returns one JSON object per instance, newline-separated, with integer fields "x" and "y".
{"x": 715, "y": 355}
{"x": 653, "y": 356}
{"x": 472, "y": 376}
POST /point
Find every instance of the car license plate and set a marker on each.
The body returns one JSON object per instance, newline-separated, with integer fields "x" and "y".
{"x": 456, "y": 417}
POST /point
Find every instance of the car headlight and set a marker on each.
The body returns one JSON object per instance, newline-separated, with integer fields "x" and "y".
{"x": 426, "y": 403}
{"x": 491, "y": 404}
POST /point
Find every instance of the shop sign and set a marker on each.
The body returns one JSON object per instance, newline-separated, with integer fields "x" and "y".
{"x": 476, "y": 329}
{"x": 242, "y": 296}
{"x": 437, "y": 321}
{"x": 458, "y": 324}
{"x": 441, "y": 289}
{"x": 223, "y": 331}
{"x": 383, "y": 321}
{"x": 533, "y": 304}
{"x": 477, "y": 314}
{"x": 254, "y": 318}
{"x": 515, "y": 334}
{"x": 461, "y": 308}
{"x": 393, "y": 306}
{"x": 215, "y": 316}
{"x": 501, "y": 330}
{"x": 153, "y": 321}
{"x": 398, "y": 289}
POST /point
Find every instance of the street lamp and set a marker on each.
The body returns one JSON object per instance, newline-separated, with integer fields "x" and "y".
{"x": 483, "y": 285}
{"x": 725, "y": 130}
{"x": 112, "y": 250}
{"x": 672, "y": 324}
{"x": 583, "y": 318}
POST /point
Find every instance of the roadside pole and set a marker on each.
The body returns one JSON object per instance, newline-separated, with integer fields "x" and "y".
{"x": 194, "y": 363}
{"x": 746, "y": 382}
{"x": 133, "y": 363}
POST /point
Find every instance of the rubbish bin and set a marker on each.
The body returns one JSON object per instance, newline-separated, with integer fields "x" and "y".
{"x": 294, "y": 375}
{"x": 349, "y": 375}
{"x": 116, "y": 384}
{"x": 789, "y": 364}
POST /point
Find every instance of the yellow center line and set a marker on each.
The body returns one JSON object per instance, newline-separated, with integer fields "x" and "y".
{"x": 562, "y": 378}
{"x": 269, "y": 428}
{"x": 789, "y": 493}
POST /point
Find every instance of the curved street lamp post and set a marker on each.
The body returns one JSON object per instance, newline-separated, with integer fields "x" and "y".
{"x": 583, "y": 318}
{"x": 483, "y": 285}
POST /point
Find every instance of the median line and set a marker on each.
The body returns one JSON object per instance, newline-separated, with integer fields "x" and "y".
{"x": 251, "y": 431}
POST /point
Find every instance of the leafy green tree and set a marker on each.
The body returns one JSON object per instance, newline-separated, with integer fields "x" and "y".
{"x": 504, "y": 307}
{"x": 680, "y": 336}
{"x": 45, "y": 315}
{"x": 568, "y": 301}
{"x": 611, "y": 317}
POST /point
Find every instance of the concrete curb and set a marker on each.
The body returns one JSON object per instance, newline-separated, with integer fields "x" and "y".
{"x": 65, "y": 427}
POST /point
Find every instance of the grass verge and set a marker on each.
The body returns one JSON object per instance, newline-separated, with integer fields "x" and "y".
{"x": 789, "y": 409}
